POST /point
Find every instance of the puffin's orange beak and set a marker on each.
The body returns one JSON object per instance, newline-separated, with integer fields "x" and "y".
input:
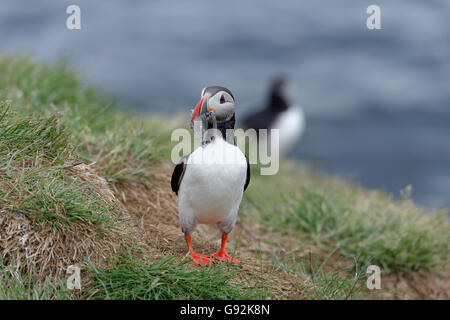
{"x": 197, "y": 109}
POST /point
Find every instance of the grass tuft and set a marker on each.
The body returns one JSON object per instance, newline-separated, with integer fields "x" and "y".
{"x": 165, "y": 278}
{"x": 15, "y": 285}
{"x": 320, "y": 281}
{"x": 35, "y": 154}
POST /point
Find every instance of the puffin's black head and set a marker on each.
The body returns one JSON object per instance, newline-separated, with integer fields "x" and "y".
{"x": 217, "y": 99}
{"x": 278, "y": 95}
{"x": 216, "y": 107}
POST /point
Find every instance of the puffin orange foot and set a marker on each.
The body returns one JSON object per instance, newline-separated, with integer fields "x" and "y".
{"x": 223, "y": 256}
{"x": 201, "y": 259}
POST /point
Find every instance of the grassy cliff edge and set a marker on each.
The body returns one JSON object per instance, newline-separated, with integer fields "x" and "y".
{"x": 85, "y": 182}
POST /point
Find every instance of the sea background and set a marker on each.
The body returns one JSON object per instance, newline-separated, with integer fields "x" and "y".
{"x": 377, "y": 102}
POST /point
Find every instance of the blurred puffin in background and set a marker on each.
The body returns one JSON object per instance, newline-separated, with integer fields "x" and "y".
{"x": 210, "y": 181}
{"x": 279, "y": 114}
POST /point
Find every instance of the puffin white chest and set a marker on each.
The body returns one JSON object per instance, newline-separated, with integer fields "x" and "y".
{"x": 213, "y": 183}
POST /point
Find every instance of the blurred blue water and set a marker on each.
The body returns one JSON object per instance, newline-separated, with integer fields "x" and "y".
{"x": 377, "y": 102}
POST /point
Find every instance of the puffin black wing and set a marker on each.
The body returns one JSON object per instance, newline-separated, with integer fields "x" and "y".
{"x": 178, "y": 174}
{"x": 247, "y": 179}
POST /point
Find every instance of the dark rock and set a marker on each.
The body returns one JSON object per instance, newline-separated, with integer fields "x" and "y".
{"x": 18, "y": 215}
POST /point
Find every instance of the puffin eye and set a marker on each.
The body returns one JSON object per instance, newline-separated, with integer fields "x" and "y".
{"x": 222, "y": 99}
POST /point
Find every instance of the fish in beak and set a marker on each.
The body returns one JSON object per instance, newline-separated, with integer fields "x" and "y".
{"x": 202, "y": 108}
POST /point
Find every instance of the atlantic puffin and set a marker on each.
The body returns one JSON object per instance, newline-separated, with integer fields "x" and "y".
{"x": 211, "y": 180}
{"x": 279, "y": 114}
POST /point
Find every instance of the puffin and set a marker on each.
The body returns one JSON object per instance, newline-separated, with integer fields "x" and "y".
{"x": 210, "y": 181}
{"x": 279, "y": 114}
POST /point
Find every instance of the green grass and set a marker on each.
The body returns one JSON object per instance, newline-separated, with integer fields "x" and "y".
{"x": 35, "y": 154}
{"x": 15, "y": 285}
{"x": 132, "y": 279}
{"x": 370, "y": 227}
{"x": 341, "y": 282}
{"x": 118, "y": 140}
{"x": 166, "y": 278}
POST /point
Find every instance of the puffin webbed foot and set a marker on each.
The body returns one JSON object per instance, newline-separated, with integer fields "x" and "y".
{"x": 223, "y": 256}
{"x": 201, "y": 259}
{"x": 197, "y": 258}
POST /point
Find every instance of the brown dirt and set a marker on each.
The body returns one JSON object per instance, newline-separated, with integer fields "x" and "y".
{"x": 153, "y": 208}
{"x": 421, "y": 285}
